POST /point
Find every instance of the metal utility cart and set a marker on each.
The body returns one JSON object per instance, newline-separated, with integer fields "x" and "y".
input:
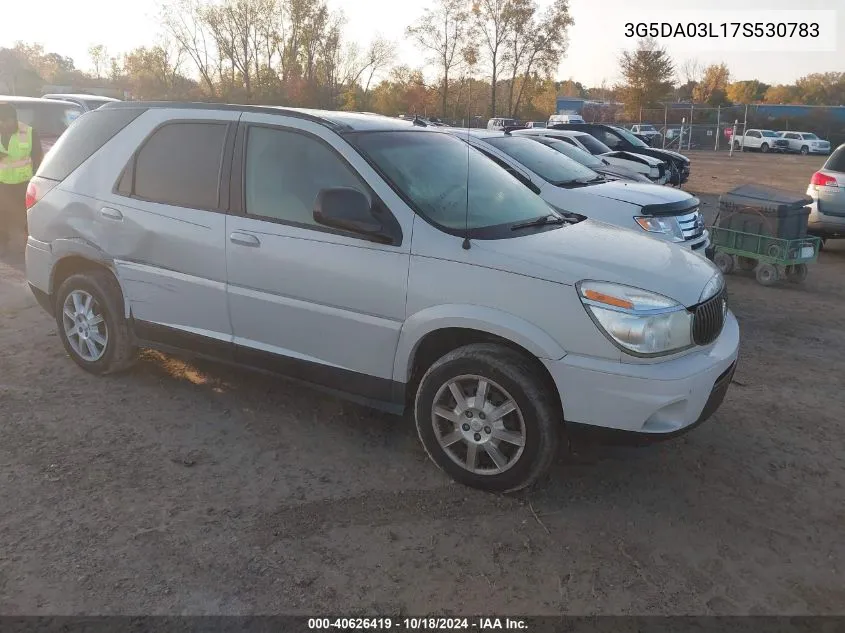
{"x": 765, "y": 230}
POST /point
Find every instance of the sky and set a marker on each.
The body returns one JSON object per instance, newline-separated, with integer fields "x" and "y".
{"x": 595, "y": 41}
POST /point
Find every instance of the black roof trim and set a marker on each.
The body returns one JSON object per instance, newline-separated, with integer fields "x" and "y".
{"x": 230, "y": 107}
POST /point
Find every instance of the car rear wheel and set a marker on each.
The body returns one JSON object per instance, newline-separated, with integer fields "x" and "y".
{"x": 486, "y": 417}
{"x": 89, "y": 316}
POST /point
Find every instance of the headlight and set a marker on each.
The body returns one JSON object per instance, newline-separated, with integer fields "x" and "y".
{"x": 641, "y": 323}
{"x": 667, "y": 225}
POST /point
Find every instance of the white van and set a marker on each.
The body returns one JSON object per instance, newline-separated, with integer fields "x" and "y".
{"x": 565, "y": 118}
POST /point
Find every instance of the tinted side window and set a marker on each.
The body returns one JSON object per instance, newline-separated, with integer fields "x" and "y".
{"x": 836, "y": 162}
{"x": 286, "y": 170}
{"x": 608, "y": 138}
{"x": 180, "y": 165}
{"x": 87, "y": 134}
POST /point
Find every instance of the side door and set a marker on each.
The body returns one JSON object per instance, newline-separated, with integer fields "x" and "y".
{"x": 306, "y": 300}
{"x": 165, "y": 225}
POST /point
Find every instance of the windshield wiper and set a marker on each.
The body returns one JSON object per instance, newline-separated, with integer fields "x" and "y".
{"x": 541, "y": 221}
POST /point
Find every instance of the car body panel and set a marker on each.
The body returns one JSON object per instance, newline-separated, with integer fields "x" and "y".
{"x": 321, "y": 303}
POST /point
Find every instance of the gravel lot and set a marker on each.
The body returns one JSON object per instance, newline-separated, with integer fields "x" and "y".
{"x": 192, "y": 488}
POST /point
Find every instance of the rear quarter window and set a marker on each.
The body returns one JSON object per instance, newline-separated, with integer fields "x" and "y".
{"x": 836, "y": 162}
{"x": 88, "y": 133}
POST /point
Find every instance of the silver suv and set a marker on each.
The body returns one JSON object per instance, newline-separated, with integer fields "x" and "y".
{"x": 380, "y": 260}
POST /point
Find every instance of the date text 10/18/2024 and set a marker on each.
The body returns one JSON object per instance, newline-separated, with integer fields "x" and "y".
{"x": 418, "y": 624}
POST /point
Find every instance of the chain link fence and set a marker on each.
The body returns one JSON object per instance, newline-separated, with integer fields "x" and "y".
{"x": 685, "y": 127}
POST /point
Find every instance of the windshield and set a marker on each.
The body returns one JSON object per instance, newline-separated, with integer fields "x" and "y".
{"x": 633, "y": 140}
{"x": 593, "y": 145}
{"x": 575, "y": 153}
{"x": 93, "y": 104}
{"x": 770, "y": 134}
{"x": 550, "y": 165}
{"x": 810, "y": 136}
{"x": 439, "y": 174}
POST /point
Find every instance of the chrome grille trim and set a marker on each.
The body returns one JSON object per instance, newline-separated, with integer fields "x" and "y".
{"x": 692, "y": 225}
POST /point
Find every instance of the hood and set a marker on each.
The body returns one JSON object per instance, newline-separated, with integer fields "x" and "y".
{"x": 620, "y": 171}
{"x": 665, "y": 153}
{"x": 601, "y": 252}
{"x": 644, "y": 194}
{"x": 651, "y": 161}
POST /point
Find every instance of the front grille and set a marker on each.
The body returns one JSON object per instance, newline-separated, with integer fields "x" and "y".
{"x": 692, "y": 225}
{"x": 709, "y": 319}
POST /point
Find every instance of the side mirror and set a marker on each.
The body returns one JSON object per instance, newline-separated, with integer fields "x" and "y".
{"x": 347, "y": 209}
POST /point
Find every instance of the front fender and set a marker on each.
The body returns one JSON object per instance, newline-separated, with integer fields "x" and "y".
{"x": 471, "y": 317}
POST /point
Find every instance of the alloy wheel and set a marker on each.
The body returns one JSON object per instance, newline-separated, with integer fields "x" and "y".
{"x": 85, "y": 325}
{"x": 478, "y": 424}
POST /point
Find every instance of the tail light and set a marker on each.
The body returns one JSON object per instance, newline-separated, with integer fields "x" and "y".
{"x": 823, "y": 180}
{"x": 37, "y": 189}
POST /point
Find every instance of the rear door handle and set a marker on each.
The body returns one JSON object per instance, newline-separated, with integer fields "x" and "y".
{"x": 111, "y": 214}
{"x": 244, "y": 239}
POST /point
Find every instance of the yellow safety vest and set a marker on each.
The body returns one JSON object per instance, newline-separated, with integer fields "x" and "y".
{"x": 16, "y": 160}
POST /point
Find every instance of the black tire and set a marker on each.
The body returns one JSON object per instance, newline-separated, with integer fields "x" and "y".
{"x": 120, "y": 352}
{"x": 767, "y": 274}
{"x": 539, "y": 408}
{"x": 805, "y": 150}
{"x": 822, "y": 242}
{"x": 737, "y": 146}
{"x": 724, "y": 261}
{"x": 764, "y": 148}
{"x": 797, "y": 273}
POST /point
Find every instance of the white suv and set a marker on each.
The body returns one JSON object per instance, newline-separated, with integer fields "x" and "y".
{"x": 377, "y": 259}
{"x": 805, "y": 143}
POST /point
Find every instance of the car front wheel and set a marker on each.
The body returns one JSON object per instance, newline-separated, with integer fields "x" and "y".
{"x": 89, "y": 316}
{"x": 764, "y": 148}
{"x": 486, "y": 416}
{"x": 805, "y": 150}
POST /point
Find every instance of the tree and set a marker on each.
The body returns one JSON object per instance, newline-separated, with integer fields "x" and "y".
{"x": 17, "y": 75}
{"x": 570, "y": 88}
{"x": 99, "y": 60}
{"x": 535, "y": 44}
{"x": 183, "y": 19}
{"x": 712, "y": 89}
{"x": 444, "y": 32}
{"x": 822, "y": 88}
{"x": 781, "y": 94}
{"x": 648, "y": 72}
{"x": 493, "y": 20}
{"x": 742, "y": 92}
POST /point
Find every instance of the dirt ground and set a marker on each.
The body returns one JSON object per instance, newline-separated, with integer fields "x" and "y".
{"x": 183, "y": 488}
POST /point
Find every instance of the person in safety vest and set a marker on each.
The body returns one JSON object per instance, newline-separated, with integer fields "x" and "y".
{"x": 20, "y": 156}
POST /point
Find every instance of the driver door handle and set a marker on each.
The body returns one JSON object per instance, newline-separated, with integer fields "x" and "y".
{"x": 111, "y": 214}
{"x": 244, "y": 239}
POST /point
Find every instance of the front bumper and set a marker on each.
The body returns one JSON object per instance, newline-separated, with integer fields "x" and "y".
{"x": 657, "y": 399}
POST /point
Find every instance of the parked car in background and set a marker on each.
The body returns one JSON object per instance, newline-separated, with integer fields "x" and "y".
{"x": 805, "y": 143}
{"x": 647, "y": 133}
{"x": 761, "y": 141}
{"x": 85, "y": 101}
{"x": 49, "y": 117}
{"x": 499, "y": 123}
{"x": 556, "y": 119}
{"x": 536, "y": 124}
{"x": 827, "y": 189}
{"x": 652, "y": 168}
{"x": 597, "y": 164}
{"x": 667, "y": 214}
{"x": 418, "y": 275}
{"x": 620, "y": 139}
